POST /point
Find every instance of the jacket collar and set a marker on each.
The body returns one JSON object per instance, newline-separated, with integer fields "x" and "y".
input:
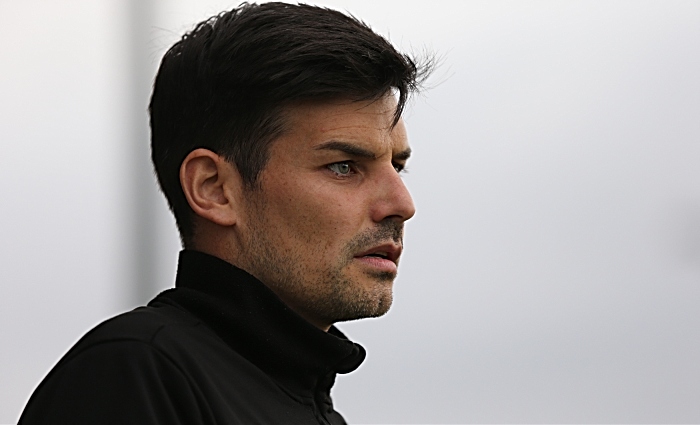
{"x": 257, "y": 324}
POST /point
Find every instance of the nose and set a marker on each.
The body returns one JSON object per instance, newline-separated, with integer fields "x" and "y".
{"x": 392, "y": 201}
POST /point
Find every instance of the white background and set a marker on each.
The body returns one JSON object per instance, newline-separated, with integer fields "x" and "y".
{"x": 552, "y": 273}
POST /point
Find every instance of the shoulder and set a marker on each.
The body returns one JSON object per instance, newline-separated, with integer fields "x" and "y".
{"x": 142, "y": 324}
{"x": 124, "y": 371}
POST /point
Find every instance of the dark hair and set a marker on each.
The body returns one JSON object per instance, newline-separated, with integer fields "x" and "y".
{"x": 225, "y": 84}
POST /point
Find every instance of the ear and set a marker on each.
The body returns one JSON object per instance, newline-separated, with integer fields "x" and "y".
{"x": 211, "y": 185}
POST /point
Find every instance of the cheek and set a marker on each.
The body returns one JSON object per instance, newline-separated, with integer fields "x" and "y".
{"x": 314, "y": 215}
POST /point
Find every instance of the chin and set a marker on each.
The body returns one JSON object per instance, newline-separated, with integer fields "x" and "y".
{"x": 372, "y": 301}
{"x": 339, "y": 297}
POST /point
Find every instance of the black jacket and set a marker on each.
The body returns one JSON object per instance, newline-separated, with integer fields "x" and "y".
{"x": 219, "y": 348}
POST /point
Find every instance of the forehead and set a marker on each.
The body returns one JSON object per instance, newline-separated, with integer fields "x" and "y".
{"x": 366, "y": 123}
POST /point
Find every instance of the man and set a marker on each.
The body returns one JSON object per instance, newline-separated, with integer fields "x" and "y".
{"x": 278, "y": 141}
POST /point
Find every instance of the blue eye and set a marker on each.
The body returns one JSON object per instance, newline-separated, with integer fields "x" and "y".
{"x": 340, "y": 168}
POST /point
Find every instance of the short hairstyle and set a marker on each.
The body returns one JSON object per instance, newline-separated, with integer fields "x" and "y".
{"x": 225, "y": 84}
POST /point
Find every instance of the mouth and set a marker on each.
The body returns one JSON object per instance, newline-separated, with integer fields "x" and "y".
{"x": 383, "y": 258}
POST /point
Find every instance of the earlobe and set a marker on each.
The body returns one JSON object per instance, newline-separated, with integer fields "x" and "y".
{"x": 210, "y": 183}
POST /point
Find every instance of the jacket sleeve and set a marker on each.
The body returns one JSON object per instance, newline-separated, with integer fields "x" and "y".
{"x": 116, "y": 382}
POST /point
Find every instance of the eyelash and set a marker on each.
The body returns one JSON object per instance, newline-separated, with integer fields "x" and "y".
{"x": 349, "y": 163}
{"x": 400, "y": 168}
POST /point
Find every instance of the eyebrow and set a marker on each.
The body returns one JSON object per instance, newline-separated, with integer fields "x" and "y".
{"x": 403, "y": 155}
{"x": 357, "y": 151}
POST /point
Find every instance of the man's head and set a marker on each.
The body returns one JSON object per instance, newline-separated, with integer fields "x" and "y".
{"x": 276, "y": 138}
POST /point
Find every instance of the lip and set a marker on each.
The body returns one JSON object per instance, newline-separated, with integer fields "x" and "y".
{"x": 388, "y": 264}
{"x": 392, "y": 251}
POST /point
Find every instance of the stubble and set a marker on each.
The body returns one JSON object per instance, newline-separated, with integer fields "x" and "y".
{"x": 323, "y": 293}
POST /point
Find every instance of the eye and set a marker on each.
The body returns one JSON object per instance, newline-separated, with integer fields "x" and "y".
{"x": 399, "y": 167}
{"x": 341, "y": 168}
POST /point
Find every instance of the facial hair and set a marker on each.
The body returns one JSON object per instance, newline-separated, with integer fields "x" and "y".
{"x": 327, "y": 294}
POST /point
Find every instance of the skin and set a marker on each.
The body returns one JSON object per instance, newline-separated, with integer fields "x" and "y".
{"x": 330, "y": 193}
